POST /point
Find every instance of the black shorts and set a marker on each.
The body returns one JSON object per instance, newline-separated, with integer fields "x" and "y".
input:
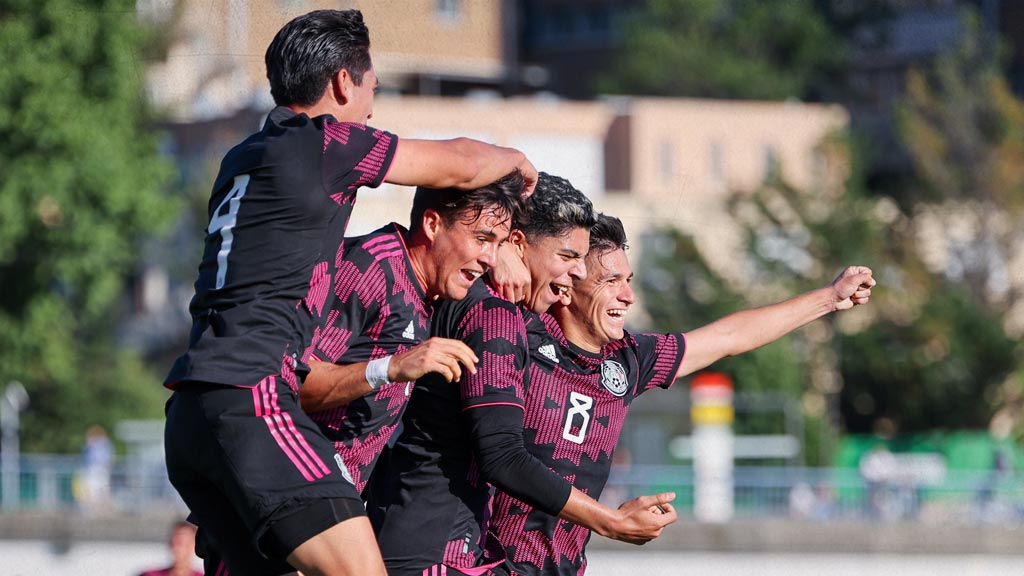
{"x": 247, "y": 461}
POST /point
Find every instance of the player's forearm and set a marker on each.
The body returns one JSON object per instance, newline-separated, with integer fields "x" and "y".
{"x": 750, "y": 329}
{"x": 483, "y": 163}
{"x": 585, "y": 511}
{"x": 332, "y": 385}
{"x": 459, "y": 163}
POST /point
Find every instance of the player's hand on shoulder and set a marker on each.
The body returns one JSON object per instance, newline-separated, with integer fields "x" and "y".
{"x": 445, "y": 356}
{"x": 509, "y": 277}
{"x": 852, "y": 287}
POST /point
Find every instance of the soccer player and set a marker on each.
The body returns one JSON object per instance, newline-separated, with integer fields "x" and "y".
{"x": 586, "y": 370}
{"x": 428, "y": 500}
{"x": 369, "y": 342}
{"x": 257, "y": 474}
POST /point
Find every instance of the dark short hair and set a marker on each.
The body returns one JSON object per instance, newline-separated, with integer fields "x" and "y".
{"x": 554, "y": 209}
{"x": 501, "y": 196}
{"x": 607, "y": 235}
{"x": 312, "y": 48}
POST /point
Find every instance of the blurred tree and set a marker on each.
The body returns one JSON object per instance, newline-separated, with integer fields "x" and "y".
{"x": 796, "y": 240}
{"x": 81, "y": 187}
{"x": 964, "y": 130}
{"x": 923, "y": 355}
{"x": 746, "y": 49}
{"x": 938, "y": 348}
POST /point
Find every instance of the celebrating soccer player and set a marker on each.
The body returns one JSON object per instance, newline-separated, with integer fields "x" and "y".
{"x": 259, "y": 477}
{"x": 384, "y": 289}
{"x": 428, "y": 501}
{"x": 586, "y": 369}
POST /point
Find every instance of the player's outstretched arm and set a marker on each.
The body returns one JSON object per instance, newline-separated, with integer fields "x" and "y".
{"x": 461, "y": 163}
{"x": 749, "y": 329}
{"x": 638, "y": 521}
{"x": 331, "y": 385}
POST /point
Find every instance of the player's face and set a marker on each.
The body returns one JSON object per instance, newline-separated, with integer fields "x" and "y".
{"x": 466, "y": 250}
{"x": 554, "y": 263}
{"x": 362, "y": 97}
{"x": 600, "y": 301}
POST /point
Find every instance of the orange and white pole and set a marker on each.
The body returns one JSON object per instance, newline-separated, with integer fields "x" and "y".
{"x": 712, "y": 414}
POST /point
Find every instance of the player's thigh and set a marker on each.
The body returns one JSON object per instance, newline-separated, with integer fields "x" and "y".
{"x": 348, "y": 548}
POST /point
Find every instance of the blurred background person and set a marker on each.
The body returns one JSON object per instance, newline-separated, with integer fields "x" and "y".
{"x": 182, "y": 544}
{"x": 97, "y": 464}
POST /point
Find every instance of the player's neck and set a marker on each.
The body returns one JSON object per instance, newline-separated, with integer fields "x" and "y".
{"x": 418, "y": 258}
{"x": 574, "y": 332}
{"x": 325, "y": 105}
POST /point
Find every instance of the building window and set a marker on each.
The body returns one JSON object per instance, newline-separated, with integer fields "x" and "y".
{"x": 771, "y": 163}
{"x": 666, "y": 161}
{"x": 716, "y": 165}
{"x": 449, "y": 10}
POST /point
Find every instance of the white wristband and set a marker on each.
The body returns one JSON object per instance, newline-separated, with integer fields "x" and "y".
{"x": 377, "y": 372}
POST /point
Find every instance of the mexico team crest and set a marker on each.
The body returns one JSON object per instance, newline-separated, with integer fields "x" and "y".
{"x": 613, "y": 377}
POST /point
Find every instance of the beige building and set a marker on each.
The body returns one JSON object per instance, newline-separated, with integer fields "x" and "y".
{"x": 215, "y": 61}
{"x": 651, "y": 162}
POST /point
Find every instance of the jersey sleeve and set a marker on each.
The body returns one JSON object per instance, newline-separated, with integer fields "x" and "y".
{"x": 502, "y": 458}
{"x": 494, "y": 329}
{"x": 355, "y": 155}
{"x": 659, "y": 357}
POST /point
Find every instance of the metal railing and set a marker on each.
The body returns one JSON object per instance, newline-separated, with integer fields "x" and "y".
{"x": 49, "y": 482}
{"x": 54, "y": 482}
{"x": 824, "y": 494}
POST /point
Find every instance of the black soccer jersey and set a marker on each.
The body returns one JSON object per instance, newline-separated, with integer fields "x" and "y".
{"x": 278, "y": 211}
{"x": 576, "y": 403}
{"x": 379, "y": 310}
{"x": 429, "y": 505}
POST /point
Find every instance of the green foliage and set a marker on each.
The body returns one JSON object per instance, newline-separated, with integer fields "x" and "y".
{"x": 81, "y": 187}
{"x": 747, "y": 49}
{"x": 942, "y": 371}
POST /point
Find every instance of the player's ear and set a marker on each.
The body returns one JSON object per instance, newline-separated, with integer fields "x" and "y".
{"x": 517, "y": 240}
{"x": 432, "y": 224}
{"x": 341, "y": 86}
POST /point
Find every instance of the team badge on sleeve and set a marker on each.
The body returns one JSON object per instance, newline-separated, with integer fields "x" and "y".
{"x": 613, "y": 377}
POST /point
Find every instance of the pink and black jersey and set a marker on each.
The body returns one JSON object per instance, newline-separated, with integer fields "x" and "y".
{"x": 278, "y": 212}
{"x": 429, "y": 503}
{"x": 576, "y": 404}
{"x": 379, "y": 309}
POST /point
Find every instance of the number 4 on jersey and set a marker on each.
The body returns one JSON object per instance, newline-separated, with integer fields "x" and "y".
{"x": 223, "y": 222}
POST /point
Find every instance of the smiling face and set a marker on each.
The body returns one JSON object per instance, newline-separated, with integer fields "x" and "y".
{"x": 462, "y": 251}
{"x": 554, "y": 262}
{"x": 597, "y": 313}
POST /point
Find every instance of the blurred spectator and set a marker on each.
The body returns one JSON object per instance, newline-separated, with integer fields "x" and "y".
{"x": 807, "y": 503}
{"x": 878, "y": 467}
{"x": 97, "y": 463}
{"x": 183, "y": 553}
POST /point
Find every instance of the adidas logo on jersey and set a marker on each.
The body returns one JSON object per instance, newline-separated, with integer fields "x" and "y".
{"x": 548, "y": 351}
{"x": 410, "y": 331}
